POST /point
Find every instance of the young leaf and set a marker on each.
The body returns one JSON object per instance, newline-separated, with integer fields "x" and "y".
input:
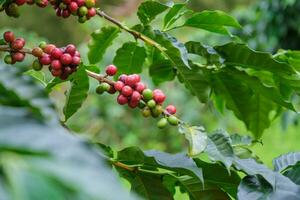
{"x": 130, "y": 58}
{"x": 285, "y": 161}
{"x": 197, "y": 138}
{"x": 148, "y": 10}
{"x": 100, "y": 41}
{"x": 78, "y": 93}
{"x": 213, "y": 21}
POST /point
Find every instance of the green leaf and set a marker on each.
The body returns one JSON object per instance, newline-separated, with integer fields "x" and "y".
{"x": 213, "y": 21}
{"x": 219, "y": 148}
{"x": 54, "y": 82}
{"x": 197, "y": 138}
{"x": 21, "y": 91}
{"x": 293, "y": 174}
{"x": 285, "y": 161}
{"x": 241, "y": 140}
{"x": 100, "y": 41}
{"x": 148, "y": 10}
{"x": 38, "y": 75}
{"x": 39, "y": 161}
{"x": 93, "y": 68}
{"x": 236, "y": 54}
{"x": 176, "y": 12}
{"x": 161, "y": 71}
{"x": 180, "y": 163}
{"x": 130, "y": 58}
{"x": 78, "y": 93}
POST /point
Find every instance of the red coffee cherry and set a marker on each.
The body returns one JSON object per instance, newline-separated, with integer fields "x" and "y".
{"x": 136, "y": 96}
{"x": 48, "y": 49}
{"x": 133, "y": 104}
{"x": 76, "y": 60}
{"x": 18, "y": 57}
{"x": 111, "y": 70}
{"x": 123, "y": 78}
{"x": 140, "y": 87}
{"x": 66, "y": 59}
{"x": 73, "y": 7}
{"x": 91, "y": 12}
{"x": 45, "y": 59}
{"x": 20, "y": 2}
{"x": 56, "y": 65}
{"x": 80, "y": 2}
{"x": 56, "y": 53}
{"x": 18, "y": 44}
{"x": 56, "y": 73}
{"x": 171, "y": 109}
{"x": 127, "y": 91}
{"x": 119, "y": 85}
{"x": 131, "y": 80}
{"x": 122, "y": 100}
{"x": 65, "y": 13}
{"x": 159, "y": 97}
{"x": 9, "y": 36}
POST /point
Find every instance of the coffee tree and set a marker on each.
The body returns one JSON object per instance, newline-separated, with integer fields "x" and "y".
{"x": 40, "y": 159}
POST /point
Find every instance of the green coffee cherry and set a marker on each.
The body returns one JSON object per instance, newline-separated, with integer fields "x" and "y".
{"x": 141, "y": 105}
{"x": 12, "y": 10}
{"x": 162, "y": 123}
{"x": 151, "y": 104}
{"x": 90, "y": 3}
{"x": 173, "y": 120}
{"x": 156, "y": 111}
{"x": 146, "y": 112}
{"x": 36, "y": 65}
{"x": 82, "y": 19}
{"x": 82, "y": 11}
{"x": 8, "y": 59}
{"x": 147, "y": 94}
{"x": 103, "y": 87}
{"x": 43, "y": 44}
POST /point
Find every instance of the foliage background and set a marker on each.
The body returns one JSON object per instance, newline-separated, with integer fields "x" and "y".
{"x": 103, "y": 120}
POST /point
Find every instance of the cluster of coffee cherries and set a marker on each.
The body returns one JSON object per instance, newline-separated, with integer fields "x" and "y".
{"x": 62, "y": 61}
{"x": 12, "y": 10}
{"x": 84, "y": 9}
{"x": 16, "y": 46}
{"x": 135, "y": 94}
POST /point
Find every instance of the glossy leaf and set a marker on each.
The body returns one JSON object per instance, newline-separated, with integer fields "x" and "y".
{"x": 78, "y": 93}
{"x": 293, "y": 174}
{"x": 38, "y": 75}
{"x": 285, "y": 161}
{"x": 100, "y": 41}
{"x": 161, "y": 71}
{"x": 130, "y": 58}
{"x": 213, "y": 21}
{"x": 148, "y": 10}
{"x": 176, "y": 12}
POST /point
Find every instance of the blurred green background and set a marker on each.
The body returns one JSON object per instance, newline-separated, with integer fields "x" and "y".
{"x": 268, "y": 26}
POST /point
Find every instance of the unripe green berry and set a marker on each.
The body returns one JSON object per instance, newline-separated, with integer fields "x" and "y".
{"x": 147, "y": 94}
{"x": 141, "y": 105}
{"x": 82, "y": 19}
{"x": 162, "y": 123}
{"x": 173, "y": 120}
{"x": 43, "y": 44}
{"x": 82, "y": 11}
{"x": 151, "y": 104}
{"x": 8, "y": 59}
{"x": 156, "y": 111}
{"x": 36, "y": 65}
{"x": 90, "y": 3}
{"x": 103, "y": 87}
{"x": 146, "y": 112}
{"x": 12, "y": 10}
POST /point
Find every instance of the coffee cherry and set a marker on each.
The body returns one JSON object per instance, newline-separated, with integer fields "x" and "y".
{"x": 123, "y": 78}
{"x": 36, "y": 65}
{"x": 111, "y": 90}
{"x": 12, "y": 10}
{"x": 20, "y": 2}
{"x": 67, "y": 70}
{"x": 162, "y": 123}
{"x": 90, "y": 3}
{"x": 66, "y": 59}
{"x": 122, "y": 100}
{"x": 48, "y": 48}
{"x": 73, "y": 7}
{"x": 8, "y": 59}
{"x": 76, "y": 60}
{"x": 91, "y": 12}
{"x": 111, "y": 70}
{"x": 9, "y": 36}
{"x": 45, "y": 59}
{"x": 80, "y": 2}
{"x": 136, "y": 97}
{"x": 171, "y": 109}
{"x": 156, "y": 111}
{"x": 105, "y": 86}
{"x": 82, "y": 19}
{"x": 146, "y": 112}
{"x": 159, "y": 97}
{"x": 173, "y": 120}
{"x": 147, "y": 94}
{"x": 18, "y": 44}
{"x": 131, "y": 80}
{"x": 42, "y": 45}
{"x": 56, "y": 73}
{"x": 151, "y": 104}
{"x": 37, "y": 52}
{"x": 82, "y": 11}
{"x": 141, "y": 105}
{"x": 119, "y": 85}
{"x": 56, "y": 53}
{"x": 127, "y": 91}
{"x": 71, "y": 49}
{"x": 140, "y": 87}
{"x": 18, "y": 57}
{"x": 56, "y": 65}
{"x": 99, "y": 90}
{"x": 133, "y": 104}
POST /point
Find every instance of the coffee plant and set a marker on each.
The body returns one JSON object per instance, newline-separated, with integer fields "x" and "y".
{"x": 40, "y": 159}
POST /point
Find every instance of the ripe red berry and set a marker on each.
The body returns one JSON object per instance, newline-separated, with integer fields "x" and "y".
{"x": 18, "y": 57}
{"x": 56, "y": 73}
{"x": 20, "y": 2}
{"x": 66, "y": 59}
{"x": 70, "y": 49}
{"x": 76, "y": 60}
{"x": 45, "y": 59}
{"x": 68, "y": 70}
{"x": 18, "y": 44}
{"x": 119, "y": 85}
{"x": 127, "y": 91}
{"x": 140, "y": 87}
{"x": 9, "y": 36}
{"x": 67, "y": 1}
{"x": 171, "y": 109}
{"x": 58, "y": 12}
{"x": 91, "y": 12}
{"x": 30, "y": 2}
{"x": 131, "y": 80}
{"x": 77, "y": 54}
{"x": 111, "y": 90}
{"x": 56, "y": 53}
{"x": 55, "y": 64}
{"x": 159, "y": 97}
{"x": 122, "y": 100}
{"x": 123, "y": 78}
{"x": 111, "y": 70}
{"x": 48, "y": 49}
{"x": 136, "y": 96}
{"x": 133, "y": 104}
{"x": 65, "y": 13}
{"x": 137, "y": 77}
{"x": 157, "y": 91}
{"x": 73, "y": 7}
{"x": 80, "y": 2}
